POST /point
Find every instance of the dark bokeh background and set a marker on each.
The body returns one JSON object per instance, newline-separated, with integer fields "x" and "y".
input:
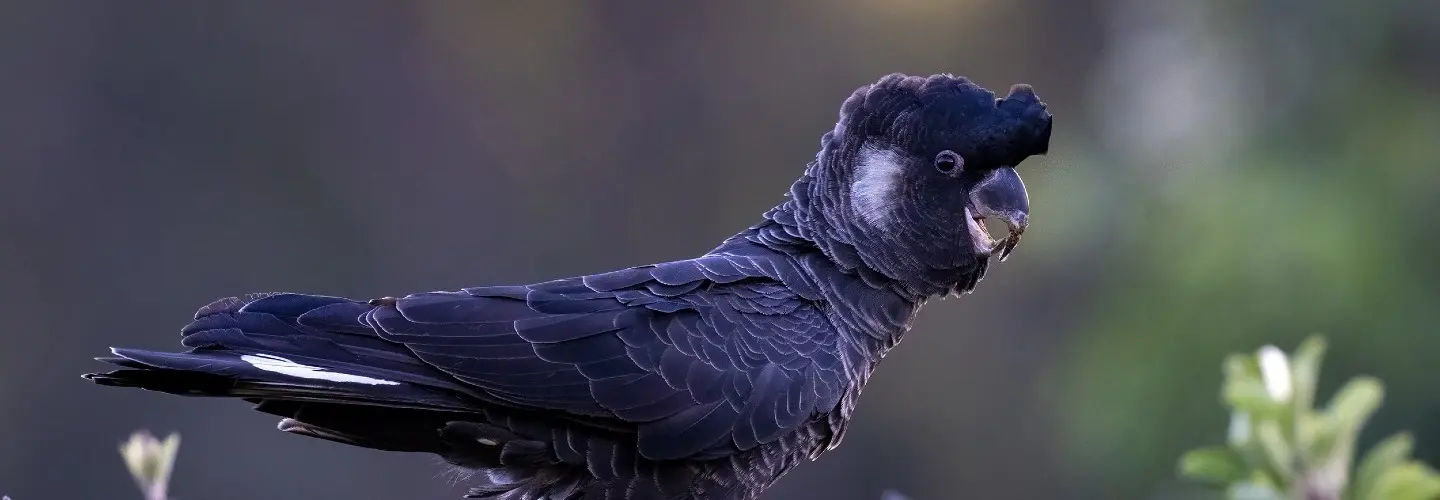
{"x": 1223, "y": 174}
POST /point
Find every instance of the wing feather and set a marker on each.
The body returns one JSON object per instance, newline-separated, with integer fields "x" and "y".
{"x": 699, "y": 358}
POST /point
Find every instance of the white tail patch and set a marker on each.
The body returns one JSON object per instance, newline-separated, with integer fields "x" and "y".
{"x": 284, "y": 366}
{"x": 877, "y": 176}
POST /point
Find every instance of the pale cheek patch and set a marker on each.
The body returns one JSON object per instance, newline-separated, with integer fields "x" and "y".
{"x": 877, "y": 177}
{"x": 284, "y": 366}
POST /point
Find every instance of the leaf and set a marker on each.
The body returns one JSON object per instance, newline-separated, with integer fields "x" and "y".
{"x": 1218, "y": 464}
{"x": 1249, "y": 396}
{"x": 1241, "y": 367}
{"x": 1305, "y": 367}
{"x": 150, "y": 461}
{"x": 1350, "y": 409}
{"x": 1244, "y": 444}
{"x": 1239, "y": 433}
{"x": 1356, "y": 402}
{"x": 1318, "y": 436}
{"x": 1249, "y": 490}
{"x": 1314, "y": 434}
{"x": 1387, "y": 454}
{"x": 1408, "y": 481}
{"x": 1281, "y": 456}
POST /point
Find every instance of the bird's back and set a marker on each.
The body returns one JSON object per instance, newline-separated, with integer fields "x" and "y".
{"x": 701, "y": 378}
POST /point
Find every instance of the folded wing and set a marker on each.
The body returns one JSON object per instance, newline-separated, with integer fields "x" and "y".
{"x": 699, "y": 358}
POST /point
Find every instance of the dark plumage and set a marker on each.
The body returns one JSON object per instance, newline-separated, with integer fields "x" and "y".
{"x": 706, "y": 378}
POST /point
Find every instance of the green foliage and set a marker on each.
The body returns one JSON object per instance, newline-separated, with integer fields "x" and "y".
{"x": 1304, "y": 222}
{"x": 1282, "y": 447}
{"x": 151, "y": 461}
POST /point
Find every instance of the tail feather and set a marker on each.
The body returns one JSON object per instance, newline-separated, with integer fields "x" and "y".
{"x": 257, "y": 348}
{"x": 315, "y": 362}
{"x": 380, "y": 428}
{"x": 269, "y": 376}
{"x": 260, "y": 343}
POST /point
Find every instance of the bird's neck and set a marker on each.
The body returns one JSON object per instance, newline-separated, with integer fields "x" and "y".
{"x": 868, "y": 309}
{"x": 807, "y": 221}
{"x": 874, "y": 309}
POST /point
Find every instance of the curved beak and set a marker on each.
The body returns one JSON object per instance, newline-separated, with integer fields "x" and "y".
{"x": 1001, "y": 195}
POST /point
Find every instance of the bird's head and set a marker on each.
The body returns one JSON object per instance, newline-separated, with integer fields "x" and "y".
{"x": 914, "y": 169}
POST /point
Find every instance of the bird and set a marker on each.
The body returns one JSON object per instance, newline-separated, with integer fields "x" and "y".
{"x": 706, "y": 378}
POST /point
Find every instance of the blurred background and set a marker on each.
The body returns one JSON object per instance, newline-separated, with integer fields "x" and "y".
{"x": 1223, "y": 174}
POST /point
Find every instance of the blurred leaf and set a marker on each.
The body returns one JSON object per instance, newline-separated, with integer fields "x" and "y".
{"x": 1241, "y": 367}
{"x": 1320, "y": 435}
{"x": 1251, "y": 451}
{"x": 1280, "y": 456}
{"x": 1225, "y": 260}
{"x": 1315, "y": 435}
{"x": 1301, "y": 453}
{"x": 1353, "y": 405}
{"x": 1305, "y": 366}
{"x": 150, "y": 461}
{"x": 1250, "y": 396}
{"x": 1350, "y": 409}
{"x": 1384, "y": 456}
{"x": 1253, "y": 491}
{"x": 1217, "y": 464}
{"x": 1241, "y": 431}
{"x": 1410, "y": 481}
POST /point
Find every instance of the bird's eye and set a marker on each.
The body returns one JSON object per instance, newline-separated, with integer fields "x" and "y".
{"x": 948, "y": 162}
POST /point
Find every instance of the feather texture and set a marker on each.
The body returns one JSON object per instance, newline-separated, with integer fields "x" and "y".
{"x": 642, "y": 369}
{"x": 697, "y": 379}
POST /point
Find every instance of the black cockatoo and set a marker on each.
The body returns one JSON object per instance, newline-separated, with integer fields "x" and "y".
{"x": 704, "y": 378}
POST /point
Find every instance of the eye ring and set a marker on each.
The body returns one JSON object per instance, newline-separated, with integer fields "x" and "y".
{"x": 948, "y": 162}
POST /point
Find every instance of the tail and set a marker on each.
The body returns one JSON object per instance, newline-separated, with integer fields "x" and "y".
{"x": 311, "y": 360}
{"x": 316, "y": 362}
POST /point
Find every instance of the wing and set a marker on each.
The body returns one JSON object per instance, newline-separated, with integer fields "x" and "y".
{"x": 701, "y": 358}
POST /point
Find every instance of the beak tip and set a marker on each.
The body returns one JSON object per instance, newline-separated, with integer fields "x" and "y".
{"x": 1018, "y": 222}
